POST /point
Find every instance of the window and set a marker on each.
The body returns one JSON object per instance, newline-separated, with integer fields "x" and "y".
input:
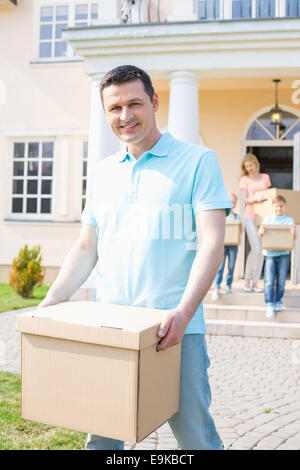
{"x": 241, "y": 8}
{"x": 292, "y": 7}
{"x": 84, "y": 172}
{"x": 265, "y": 8}
{"x": 262, "y": 129}
{"x": 54, "y": 17}
{"x": 32, "y": 177}
{"x": 208, "y": 9}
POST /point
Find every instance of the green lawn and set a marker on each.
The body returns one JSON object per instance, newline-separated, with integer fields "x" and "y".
{"x": 17, "y": 433}
{"x": 10, "y": 300}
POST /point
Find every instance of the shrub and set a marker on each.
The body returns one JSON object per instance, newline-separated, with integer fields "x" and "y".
{"x": 27, "y": 271}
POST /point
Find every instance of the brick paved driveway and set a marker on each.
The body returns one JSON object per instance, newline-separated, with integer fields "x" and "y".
{"x": 255, "y": 386}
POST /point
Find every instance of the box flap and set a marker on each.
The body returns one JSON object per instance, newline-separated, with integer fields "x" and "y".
{"x": 286, "y": 228}
{"x": 233, "y": 222}
{"x": 95, "y": 322}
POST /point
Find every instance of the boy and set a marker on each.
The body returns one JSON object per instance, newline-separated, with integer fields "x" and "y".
{"x": 230, "y": 251}
{"x": 276, "y": 262}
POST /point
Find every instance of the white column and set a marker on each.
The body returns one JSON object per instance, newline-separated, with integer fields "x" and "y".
{"x": 183, "y": 120}
{"x": 2, "y": 92}
{"x": 295, "y": 258}
{"x": 102, "y": 141}
{"x": 183, "y": 11}
{"x": 65, "y": 179}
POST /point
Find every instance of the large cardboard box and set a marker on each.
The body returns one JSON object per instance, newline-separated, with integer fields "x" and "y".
{"x": 278, "y": 237}
{"x": 264, "y": 209}
{"x": 232, "y": 232}
{"x": 94, "y": 367}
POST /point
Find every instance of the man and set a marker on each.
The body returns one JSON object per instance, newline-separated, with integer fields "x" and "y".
{"x": 144, "y": 208}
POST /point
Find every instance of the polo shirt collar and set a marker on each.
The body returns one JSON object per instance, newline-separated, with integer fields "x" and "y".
{"x": 160, "y": 149}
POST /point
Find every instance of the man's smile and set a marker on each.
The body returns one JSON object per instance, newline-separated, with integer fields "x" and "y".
{"x": 130, "y": 126}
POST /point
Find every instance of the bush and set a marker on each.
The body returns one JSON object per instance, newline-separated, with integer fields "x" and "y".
{"x": 27, "y": 271}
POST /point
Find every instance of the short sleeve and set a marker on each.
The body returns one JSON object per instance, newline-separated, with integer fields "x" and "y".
{"x": 268, "y": 180}
{"x": 209, "y": 190}
{"x": 243, "y": 183}
{"x": 87, "y": 216}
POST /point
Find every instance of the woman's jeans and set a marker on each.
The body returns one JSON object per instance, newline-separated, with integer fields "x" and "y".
{"x": 192, "y": 425}
{"x": 275, "y": 273}
{"x": 231, "y": 253}
{"x": 255, "y": 258}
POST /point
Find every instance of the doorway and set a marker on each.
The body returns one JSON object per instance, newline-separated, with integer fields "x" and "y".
{"x": 277, "y": 162}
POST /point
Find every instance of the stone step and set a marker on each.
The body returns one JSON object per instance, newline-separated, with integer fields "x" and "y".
{"x": 251, "y": 328}
{"x": 239, "y": 297}
{"x": 249, "y": 313}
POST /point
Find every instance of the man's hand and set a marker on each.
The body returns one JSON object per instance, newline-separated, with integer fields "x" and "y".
{"x": 47, "y": 302}
{"x": 172, "y": 329}
{"x": 294, "y": 231}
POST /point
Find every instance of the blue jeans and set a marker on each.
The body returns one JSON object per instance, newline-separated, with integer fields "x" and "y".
{"x": 275, "y": 273}
{"x": 230, "y": 251}
{"x": 192, "y": 425}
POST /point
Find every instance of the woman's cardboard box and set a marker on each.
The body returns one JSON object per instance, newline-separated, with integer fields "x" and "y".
{"x": 265, "y": 208}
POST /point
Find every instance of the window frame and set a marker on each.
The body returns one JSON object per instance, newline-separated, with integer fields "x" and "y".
{"x": 38, "y": 215}
{"x": 71, "y": 55}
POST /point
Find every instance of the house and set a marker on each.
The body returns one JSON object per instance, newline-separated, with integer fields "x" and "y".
{"x": 212, "y": 62}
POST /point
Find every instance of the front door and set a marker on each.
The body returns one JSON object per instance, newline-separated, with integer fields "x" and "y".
{"x": 277, "y": 162}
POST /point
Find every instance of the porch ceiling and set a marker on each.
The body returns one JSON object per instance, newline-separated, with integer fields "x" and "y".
{"x": 223, "y": 49}
{"x": 8, "y": 3}
{"x": 238, "y": 83}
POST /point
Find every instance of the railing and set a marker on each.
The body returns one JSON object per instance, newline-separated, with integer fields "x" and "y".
{"x": 150, "y": 11}
{"x": 141, "y": 11}
{"x": 239, "y": 9}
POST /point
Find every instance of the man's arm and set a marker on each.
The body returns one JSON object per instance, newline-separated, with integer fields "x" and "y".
{"x": 211, "y": 225}
{"x": 75, "y": 269}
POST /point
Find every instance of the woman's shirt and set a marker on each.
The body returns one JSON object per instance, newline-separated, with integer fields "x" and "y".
{"x": 252, "y": 186}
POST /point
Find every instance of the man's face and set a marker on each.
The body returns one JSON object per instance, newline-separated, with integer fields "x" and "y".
{"x": 129, "y": 111}
{"x": 279, "y": 208}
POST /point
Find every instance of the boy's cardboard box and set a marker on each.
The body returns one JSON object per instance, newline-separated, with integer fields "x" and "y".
{"x": 265, "y": 208}
{"x": 94, "y": 367}
{"x": 278, "y": 237}
{"x": 232, "y": 232}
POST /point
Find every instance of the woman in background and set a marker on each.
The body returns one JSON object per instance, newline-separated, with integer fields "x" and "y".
{"x": 251, "y": 181}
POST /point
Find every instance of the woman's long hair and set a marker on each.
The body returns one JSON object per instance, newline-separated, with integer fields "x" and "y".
{"x": 249, "y": 157}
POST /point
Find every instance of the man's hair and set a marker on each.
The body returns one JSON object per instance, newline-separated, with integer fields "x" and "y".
{"x": 278, "y": 199}
{"x": 124, "y": 74}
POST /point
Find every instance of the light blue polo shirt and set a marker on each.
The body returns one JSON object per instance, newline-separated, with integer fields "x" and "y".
{"x": 144, "y": 210}
{"x": 277, "y": 220}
